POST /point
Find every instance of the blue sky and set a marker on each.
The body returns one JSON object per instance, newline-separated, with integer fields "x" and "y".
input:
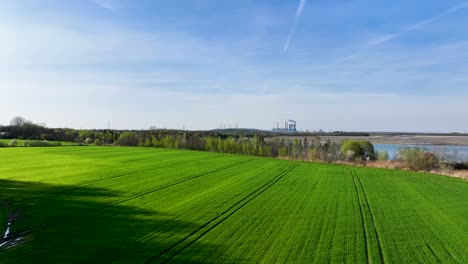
{"x": 201, "y": 64}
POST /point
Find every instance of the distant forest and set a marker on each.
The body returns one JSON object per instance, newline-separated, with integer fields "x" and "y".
{"x": 238, "y": 141}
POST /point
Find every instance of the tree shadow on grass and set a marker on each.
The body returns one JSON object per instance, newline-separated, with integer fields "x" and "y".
{"x": 83, "y": 225}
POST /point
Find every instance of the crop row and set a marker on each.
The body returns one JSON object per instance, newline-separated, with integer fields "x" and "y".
{"x": 136, "y": 205}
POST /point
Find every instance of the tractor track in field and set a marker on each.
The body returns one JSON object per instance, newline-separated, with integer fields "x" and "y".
{"x": 221, "y": 217}
{"x": 71, "y": 187}
{"x": 379, "y": 243}
{"x": 448, "y": 252}
{"x": 116, "y": 257}
{"x": 433, "y": 253}
{"x": 32, "y": 165}
{"x": 362, "y": 219}
{"x": 138, "y": 195}
{"x": 138, "y": 158}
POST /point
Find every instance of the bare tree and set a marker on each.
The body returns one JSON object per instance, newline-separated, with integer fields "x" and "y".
{"x": 17, "y": 121}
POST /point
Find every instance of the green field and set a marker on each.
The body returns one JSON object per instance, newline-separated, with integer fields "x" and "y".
{"x": 147, "y": 205}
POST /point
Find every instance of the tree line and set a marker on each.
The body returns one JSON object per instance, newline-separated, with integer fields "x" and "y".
{"x": 246, "y": 142}
{"x": 296, "y": 149}
{"x": 241, "y": 142}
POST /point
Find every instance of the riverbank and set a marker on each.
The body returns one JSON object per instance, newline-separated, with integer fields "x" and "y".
{"x": 400, "y": 139}
{"x": 398, "y": 165}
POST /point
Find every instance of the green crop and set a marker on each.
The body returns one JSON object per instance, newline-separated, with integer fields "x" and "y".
{"x": 145, "y": 205}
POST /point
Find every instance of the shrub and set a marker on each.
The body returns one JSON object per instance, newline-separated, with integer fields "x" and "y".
{"x": 37, "y": 143}
{"x": 351, "y": 150}
{"x": 128, "y": 139}
{"x": 418, "y": 159}
{"x": 13, "y": 143}
{"x": 383, "y": 155}
{"x": 457, "y": 165}
{"x": 357, "y": 150}
{"x": 148, "y": 143}
{"x": 97, "y": 142}
{"x": 3, "y": 144}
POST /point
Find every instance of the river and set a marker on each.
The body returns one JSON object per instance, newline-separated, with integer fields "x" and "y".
{"x": 458, "y": 153}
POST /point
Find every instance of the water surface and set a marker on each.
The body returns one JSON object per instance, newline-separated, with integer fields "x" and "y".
{"x": 458, "y": 153}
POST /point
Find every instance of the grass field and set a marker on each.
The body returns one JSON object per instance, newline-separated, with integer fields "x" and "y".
{"x": 139, "y": 205}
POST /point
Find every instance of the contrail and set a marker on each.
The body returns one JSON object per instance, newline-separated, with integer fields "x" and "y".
{"x": 300, "y": 9}
{"x": 386, "y": 38}
{"x": 420, "y": 24}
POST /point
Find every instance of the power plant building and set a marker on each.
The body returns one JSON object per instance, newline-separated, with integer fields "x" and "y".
{"x": 287, "y": 126}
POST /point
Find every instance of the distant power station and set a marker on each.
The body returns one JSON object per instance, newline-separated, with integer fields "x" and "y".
{"x": 287, "y": 125}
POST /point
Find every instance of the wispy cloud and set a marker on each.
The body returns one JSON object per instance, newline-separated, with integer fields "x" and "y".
{"x": 300, "y": 9}
{"x": 106, "y": 4}
{"x": 421, "y": 24}
{"x": 192, "y": 74}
